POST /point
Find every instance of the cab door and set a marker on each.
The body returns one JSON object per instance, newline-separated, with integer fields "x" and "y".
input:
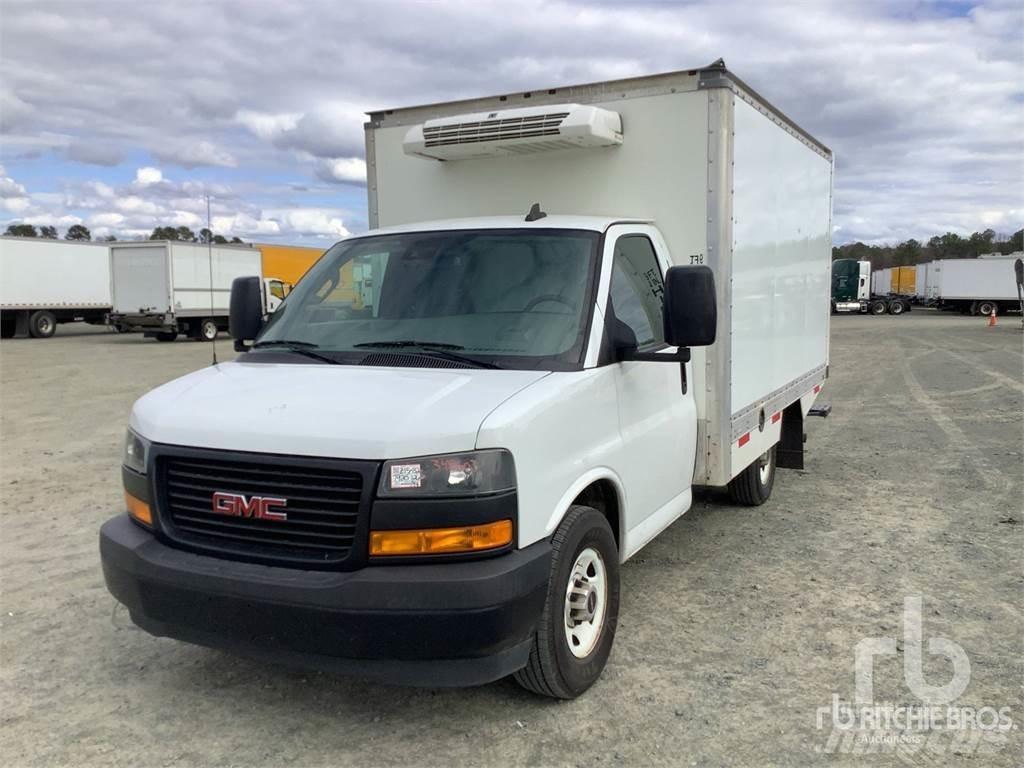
{"x": 657, "y": 413}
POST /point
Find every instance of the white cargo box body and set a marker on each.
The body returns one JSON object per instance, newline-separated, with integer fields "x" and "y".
{"x": 162, "y": 277}
{"x": 727, "y": 179}
{"x": 921, "y": 280}
{"x": 977, "y": 279}
{"x": 931, "y": 281}
{"x": 881, "y": 281}
{"x": 53, "y": 274}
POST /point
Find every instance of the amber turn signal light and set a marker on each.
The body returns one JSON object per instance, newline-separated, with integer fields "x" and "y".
{"x": 441, "y": 541}
{"x": 138, "y": 509}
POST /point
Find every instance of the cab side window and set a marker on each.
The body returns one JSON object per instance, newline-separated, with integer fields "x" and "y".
{"x": 638, "y": 290}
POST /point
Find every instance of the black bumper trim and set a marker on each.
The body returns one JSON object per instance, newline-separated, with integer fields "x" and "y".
{"x": 464, "y": 623}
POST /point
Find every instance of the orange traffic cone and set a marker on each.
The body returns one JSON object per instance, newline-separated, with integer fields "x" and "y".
{"x": 992, "y": 319}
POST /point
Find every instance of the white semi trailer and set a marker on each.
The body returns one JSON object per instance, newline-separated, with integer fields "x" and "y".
{"x": 47, "y": 282}
{"x": 165, "y": 288}
{"x": 577, "y": 305}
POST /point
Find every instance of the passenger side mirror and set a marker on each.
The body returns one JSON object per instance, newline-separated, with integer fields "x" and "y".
{"x": 690, "y": 310}
{"x": 246, "y": 314}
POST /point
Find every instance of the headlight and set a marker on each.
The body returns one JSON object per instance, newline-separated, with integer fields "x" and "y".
{"x": 136, "y": 450}
{"x": 453, "y": 474}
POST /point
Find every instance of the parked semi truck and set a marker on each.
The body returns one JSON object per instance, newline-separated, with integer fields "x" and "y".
{"x": 852, "y": 291}
{"x": 166, "y": 289}
{"x": 44, "y": 283}
{"x": 576, "y": 306}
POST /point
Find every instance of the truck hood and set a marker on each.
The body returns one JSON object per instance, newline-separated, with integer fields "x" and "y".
{"x": 351, "y": 412}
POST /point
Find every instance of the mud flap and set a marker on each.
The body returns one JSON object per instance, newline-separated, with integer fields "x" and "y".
{"x": 790, "y": 453}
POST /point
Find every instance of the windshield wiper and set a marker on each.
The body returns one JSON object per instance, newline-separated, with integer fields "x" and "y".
{"x": 435, "y": 349}
{"x": 409, "y": 343}
{"x": 304, "y": 348}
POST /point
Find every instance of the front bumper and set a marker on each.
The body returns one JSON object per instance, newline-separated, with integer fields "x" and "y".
{"x": 442, "y": 624}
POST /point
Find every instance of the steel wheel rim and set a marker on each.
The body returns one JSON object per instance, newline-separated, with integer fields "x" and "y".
{"x": 209, "y": 330}
{"x": 764, "y": 467}
{"x": 586, "y": 600}
{"x": 45, "y": 326}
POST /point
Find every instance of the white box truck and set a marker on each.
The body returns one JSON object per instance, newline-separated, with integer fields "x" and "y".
{"x": 47, "y": 282}
{"x": 165, "y": 288}
{"x": 576, "y": 306}
{"x": 977, "y": 286}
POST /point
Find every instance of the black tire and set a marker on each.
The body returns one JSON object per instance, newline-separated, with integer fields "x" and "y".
{"x": 207, "y": 330}
{"x": 42, "y": 324}
{"x": 877, "y": 307}
{"x": 752, "y": 487}
{"x": 553, "y": 670}
{"x": 986, "y": 308}
{"x": 166, "y": 336}
{"x": 896, "y": 307}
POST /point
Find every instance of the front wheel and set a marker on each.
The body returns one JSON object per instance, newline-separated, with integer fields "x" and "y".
{"x": 753, "y": 485}
{"x": 576, "y": 630}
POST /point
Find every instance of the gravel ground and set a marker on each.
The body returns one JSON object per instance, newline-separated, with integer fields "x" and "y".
{"x": 737, "y": 624}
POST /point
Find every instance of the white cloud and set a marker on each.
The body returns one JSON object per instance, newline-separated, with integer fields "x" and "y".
{"x": 350, "y": 170}
{"x": 110, "y": 221}
{"x": 9, "y": 187}
{"x": 135, "y": 204}
{"x": 310, "y": 221}
{"x": 95, "y": 153}
{"x": 13, "y": 109}
{"x": 192, "y": 154}
{"x": 922, "y": 102}
{"x": 144, "y": 176}
{"x": 50, "y": 220}
{"x": 265, "y": 126}
{"x": 15, "y": 205}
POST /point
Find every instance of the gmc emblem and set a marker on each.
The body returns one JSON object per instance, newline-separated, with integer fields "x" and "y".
{"x": 256, "y": 507}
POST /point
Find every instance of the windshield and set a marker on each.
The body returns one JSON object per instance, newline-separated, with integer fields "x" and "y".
{"x": 515, "y": 297}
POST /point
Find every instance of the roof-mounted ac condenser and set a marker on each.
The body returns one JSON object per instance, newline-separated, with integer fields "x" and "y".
{"x": 514, "y": 132}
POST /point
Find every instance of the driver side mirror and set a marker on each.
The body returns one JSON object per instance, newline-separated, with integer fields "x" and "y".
{"x": 690, "y": 310}
{"x": 245, "y": 317}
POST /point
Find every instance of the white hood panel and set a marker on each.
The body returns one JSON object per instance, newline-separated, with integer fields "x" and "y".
{"x": 347, "y": 411}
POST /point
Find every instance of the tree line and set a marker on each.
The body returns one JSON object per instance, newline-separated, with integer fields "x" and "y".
{"x": 947, "y": 246}
{"x": 81, "y": 232}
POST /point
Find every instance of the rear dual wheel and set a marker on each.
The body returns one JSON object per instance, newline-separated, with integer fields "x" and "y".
{"x": 753, "y": 486}
{"x": 987, "y": 308}
{"x": 42, "y": 324}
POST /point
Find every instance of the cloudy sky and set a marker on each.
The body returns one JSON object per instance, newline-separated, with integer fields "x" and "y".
{"x": 122, "y": 114}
